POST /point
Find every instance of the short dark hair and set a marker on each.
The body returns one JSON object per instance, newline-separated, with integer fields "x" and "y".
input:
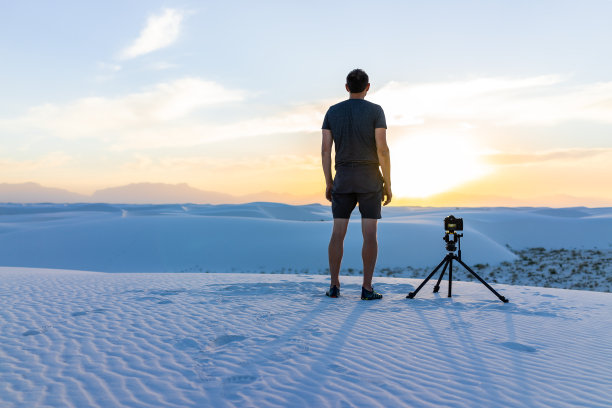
{"x": 357, "y": 80}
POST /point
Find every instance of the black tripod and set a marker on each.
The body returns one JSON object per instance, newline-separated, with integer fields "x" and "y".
{"x": 448, "y": 263}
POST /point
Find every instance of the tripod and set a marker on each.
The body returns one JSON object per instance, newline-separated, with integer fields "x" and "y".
{"x": 448, "y": 263}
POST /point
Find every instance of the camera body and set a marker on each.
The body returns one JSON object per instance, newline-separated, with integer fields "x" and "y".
{"x": 452, "y": 224}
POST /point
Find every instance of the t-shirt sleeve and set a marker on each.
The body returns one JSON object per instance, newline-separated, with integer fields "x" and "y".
{"x": 326, "y": 122}
{"x": 380, "y": 121}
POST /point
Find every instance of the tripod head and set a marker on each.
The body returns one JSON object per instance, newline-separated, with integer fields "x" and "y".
{"x": 452, "y": 238}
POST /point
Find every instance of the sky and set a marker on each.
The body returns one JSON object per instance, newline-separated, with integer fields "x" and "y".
{"x": 487, "y": 102}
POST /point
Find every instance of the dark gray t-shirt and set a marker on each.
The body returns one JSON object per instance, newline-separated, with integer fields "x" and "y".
{"x": 352, "y": 123}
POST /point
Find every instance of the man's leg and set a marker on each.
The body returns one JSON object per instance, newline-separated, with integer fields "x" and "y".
{"x": 336, "y": 249}
{"x": 369, "y": 252}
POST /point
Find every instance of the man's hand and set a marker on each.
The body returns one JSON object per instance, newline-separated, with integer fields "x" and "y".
{"x": 387, "y": 193}
{"x": 328, "y": 189}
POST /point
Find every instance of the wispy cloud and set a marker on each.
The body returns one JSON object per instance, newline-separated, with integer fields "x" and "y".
{"x": 160, "y": 31}
{"x": 126, "y": 116}
{"x": 542, "y": 100}
{"x": 564, "y": 155}
{"x": 164, "y": 114}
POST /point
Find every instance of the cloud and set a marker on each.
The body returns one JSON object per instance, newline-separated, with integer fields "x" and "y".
{"x": 162, "y": 115}
{"x": 564, "y": 155}
{"x": 165, "y": 114}
{"x": 157, "y": 107}
{"x": 159, "y": 32}
{"x": 306, "y": 118}
{"x": 541, "y": 100}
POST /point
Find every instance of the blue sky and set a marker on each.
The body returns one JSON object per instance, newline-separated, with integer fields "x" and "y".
{"x": 504, "y": 78}
{"x": 53, "y": 49}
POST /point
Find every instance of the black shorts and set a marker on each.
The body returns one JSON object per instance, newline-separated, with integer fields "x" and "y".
{"x": 354, "y": 184}
{"x": 343, "y": 204}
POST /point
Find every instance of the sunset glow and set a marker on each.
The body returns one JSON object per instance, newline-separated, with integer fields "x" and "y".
{"x": 231, "y": 99}
{"x": 428, "y": 164}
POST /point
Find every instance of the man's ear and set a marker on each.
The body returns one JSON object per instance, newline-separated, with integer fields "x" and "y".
{"x": 347, "y": 88}
{"x": 367, "y": 87}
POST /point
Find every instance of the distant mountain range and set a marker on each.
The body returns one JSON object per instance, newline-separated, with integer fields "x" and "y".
{"x": 162, "y": 193}
{"x": 139, "y": 193}
{"x": 35, "y": 193}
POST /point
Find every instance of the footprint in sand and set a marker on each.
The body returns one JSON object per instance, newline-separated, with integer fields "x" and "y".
{"x": 167, "y": 292}
{"x": 299, "y": 345}
{"x": 143, "y": 298}
{"x": 227, "y": 338}
{"x": 338, "y": 368}
{"x": 518, "y": 347}
{"x": 264, "y": 317}
{"x": 240, "y": 379}
{"x": 186, "y": 343}
{"x": 84, "y": 312}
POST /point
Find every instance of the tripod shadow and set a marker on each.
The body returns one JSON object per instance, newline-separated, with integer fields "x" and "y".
{"x": 481, "y": 369}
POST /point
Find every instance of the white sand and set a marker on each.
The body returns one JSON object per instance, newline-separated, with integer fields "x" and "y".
{"x": 81, "y": 339}
{"x": 269, "y": 237}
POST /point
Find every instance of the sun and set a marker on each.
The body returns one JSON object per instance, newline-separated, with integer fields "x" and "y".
{"x": 428, "y": 164}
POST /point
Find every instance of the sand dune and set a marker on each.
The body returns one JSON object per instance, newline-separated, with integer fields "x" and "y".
{"x": 272, "y": 237}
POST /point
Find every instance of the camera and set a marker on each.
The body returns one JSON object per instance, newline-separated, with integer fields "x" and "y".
{"x": 452, "y": 224}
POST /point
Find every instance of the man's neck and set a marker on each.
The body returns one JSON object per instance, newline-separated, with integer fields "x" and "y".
{"x": 360, "y": 95}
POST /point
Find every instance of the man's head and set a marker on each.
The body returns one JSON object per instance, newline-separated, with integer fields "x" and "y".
{"x": 357, "y": 81}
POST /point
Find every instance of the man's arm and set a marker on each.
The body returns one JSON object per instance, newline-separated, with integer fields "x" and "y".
{"x": 326, "y": 148}
{"x": 384, "y": 158}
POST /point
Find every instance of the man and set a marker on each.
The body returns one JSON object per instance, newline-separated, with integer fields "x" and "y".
{"x": 359, "y": 131}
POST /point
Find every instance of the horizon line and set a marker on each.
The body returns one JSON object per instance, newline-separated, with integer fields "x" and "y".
{"x": 440, "y": 200}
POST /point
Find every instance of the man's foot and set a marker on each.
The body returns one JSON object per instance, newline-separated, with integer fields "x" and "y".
{"x": 334, "y": 292}
{"x": 370, "y": 295}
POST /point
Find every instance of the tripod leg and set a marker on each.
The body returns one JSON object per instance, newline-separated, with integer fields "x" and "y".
{"x": 413, "y": 294}
{"x": 437, "y": 287}
{"x": 450, "y": 276}
{"x": 503, "y": 299}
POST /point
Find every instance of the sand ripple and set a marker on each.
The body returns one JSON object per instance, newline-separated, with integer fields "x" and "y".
{"x": 80, "y": 339}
